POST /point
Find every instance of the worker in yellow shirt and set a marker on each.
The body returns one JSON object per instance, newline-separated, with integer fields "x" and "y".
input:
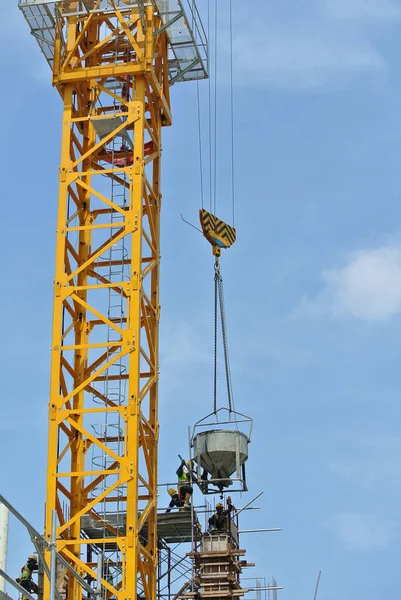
{"x": 25, "y": 580}
{"x": 185, "y": 488}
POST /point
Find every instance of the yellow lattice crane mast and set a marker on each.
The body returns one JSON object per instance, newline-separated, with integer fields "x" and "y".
{"x": 113, "y": 63}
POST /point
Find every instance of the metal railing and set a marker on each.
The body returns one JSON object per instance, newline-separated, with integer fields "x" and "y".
{"x": 188, "y": 44}
{"x": 41, "y": 545}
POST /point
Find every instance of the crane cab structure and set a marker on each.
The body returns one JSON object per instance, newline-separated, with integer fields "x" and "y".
{"x": 113, "y": 63}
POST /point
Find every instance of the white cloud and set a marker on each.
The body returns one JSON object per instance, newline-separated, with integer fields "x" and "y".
{"x": 367, "y": 288}
{"x": 375, "y": 10}
{"x": 362, "y": 532}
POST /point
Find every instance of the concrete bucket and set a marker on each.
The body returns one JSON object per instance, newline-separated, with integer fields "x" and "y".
{"x": 222, "y": 453}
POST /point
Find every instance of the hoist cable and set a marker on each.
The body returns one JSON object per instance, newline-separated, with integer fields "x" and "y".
{"x": 199, "y": 119}
{"x": 232, "y": 111}
{"x": 215, "y": 107}
{"x": 225, "y": 343}
{"x": 200, "y": 143}
{"x": 216, "y": 297}
{"x": 209, "y": 174}
{"x": 209, "y": 113}
{"x": 219, "y": 304}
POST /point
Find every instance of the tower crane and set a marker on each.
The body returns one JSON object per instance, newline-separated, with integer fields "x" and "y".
{"x": 113, "y": 63}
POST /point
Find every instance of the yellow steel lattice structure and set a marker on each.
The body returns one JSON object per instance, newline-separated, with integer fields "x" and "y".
{"x": 113, "y": 63}
{"x": 113, "y": 78}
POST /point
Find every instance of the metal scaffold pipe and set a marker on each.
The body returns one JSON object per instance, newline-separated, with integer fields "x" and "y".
{"x": 249, "y": 503}
{"x": 53, "y": 557}
{"x": 267, "y": 587}
{"x": 317, "y": 585}
{"x": 4, "y": 521}
{"x": 259, "y": 530}
{"x": 16, "y": 585}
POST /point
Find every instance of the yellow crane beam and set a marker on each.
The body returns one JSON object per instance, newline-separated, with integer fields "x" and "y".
{"x": 111, "y": 69}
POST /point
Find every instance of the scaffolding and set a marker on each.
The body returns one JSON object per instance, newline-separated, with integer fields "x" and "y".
{"x": 217, "y": 565}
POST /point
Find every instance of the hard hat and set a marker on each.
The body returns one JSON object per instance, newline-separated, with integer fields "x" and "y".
{"x": 189, "y": 463}
{"x": 172, "y": 491}
{"x": 219, "y": 505}
{"x": 32, "y": 557}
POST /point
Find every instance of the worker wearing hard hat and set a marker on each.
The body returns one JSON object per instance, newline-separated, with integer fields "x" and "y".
{"x": 219, "y": 520}
{"x": 25, "y": 580}
{"x": 175, "y": 501}
{"x": 184, "y": 474}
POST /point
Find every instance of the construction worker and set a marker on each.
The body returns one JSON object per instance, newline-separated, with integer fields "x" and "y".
{"x": 184, "y": 482}
{"x": 25, "y": 580}
{"x": 107, "y": 576}
{"x": 219, "y": 520}
{"x": 175, "y": 501}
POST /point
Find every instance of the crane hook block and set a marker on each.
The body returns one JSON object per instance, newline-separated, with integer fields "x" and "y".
{"x": 218, "y": 234}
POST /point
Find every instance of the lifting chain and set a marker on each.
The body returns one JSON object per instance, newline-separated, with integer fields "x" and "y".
{"x": 219, "y": 302}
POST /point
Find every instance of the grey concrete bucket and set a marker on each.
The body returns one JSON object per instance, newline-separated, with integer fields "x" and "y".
{"x": 222, "y": 453}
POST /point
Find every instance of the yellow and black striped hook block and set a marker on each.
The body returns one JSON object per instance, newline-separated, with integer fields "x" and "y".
{"x": 218, "y": 234}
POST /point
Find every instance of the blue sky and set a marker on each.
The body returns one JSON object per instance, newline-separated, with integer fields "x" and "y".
{"x": 313, "y": 284}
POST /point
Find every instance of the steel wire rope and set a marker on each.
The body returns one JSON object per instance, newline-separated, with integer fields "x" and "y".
{"x": 225, "y": 344}
{"x": 200, "y": 143}
{"x": 213, "y": 117}
{"x": 216, "y": 296}
{"x": 215, "y": 107}
{"x": 199, "y": 118}
{"x": 209, "y": 113}
{"x": 232, "y": 110}
{"x": 219, "y": 304}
